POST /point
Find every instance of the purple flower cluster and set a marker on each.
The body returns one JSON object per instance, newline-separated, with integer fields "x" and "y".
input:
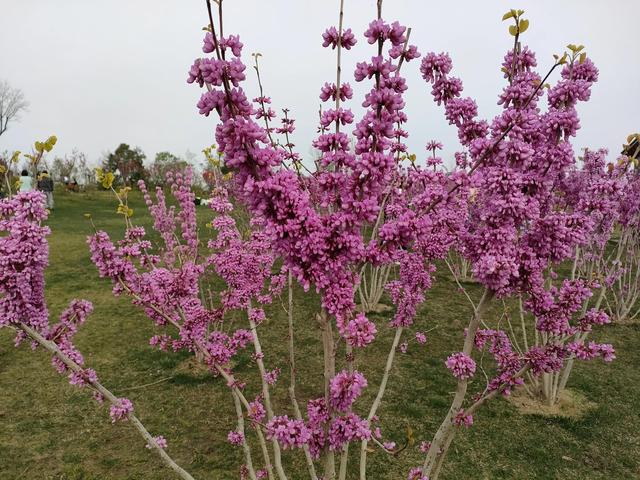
{"x": 463, "y": 419}
{"x": 508, "y": 362}
{"x": 121, "y": 410}
{"x": 461, "y": 365}
{"x": 345, "y": 388}
{"x": 160, "y": 441}
{"x": 289, "y": 433}
{"x": 416, "y": 474}
{"x": 23, "y": 258}
{"x": 235, "y": 438}
{"x": 331, "y": 37}
{"x": 517, "y": 223}
{"x": 360, "y": 331}
{"x": 347, "y": 429}
{"x": 587, "y": 351}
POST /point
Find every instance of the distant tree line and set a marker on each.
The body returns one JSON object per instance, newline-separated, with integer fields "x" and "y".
{"x": 126, "y": 163}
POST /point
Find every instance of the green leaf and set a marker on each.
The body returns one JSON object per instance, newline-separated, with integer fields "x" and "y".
{"x": 583, "y": 57}
{"x": 513, "y": 30}
{"x": 524, "y": 24}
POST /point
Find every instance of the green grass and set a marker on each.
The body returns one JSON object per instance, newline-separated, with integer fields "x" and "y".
{"x": 50, "y": 430}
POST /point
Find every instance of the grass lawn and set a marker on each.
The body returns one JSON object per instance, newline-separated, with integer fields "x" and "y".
{"x": 51, "y": 430}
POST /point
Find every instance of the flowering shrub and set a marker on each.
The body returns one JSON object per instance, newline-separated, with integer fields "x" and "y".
{"x": 23, "y": 258}
{"x": 515, "y": 226}
{"x": 368, "y": 213}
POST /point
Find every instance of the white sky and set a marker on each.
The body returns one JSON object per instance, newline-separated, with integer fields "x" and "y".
{"x": 98, "y": 73}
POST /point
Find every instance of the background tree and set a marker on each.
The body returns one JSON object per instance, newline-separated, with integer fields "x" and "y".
{"x": 126, "y": 163}
{"x": 164, "y": 162}
{"x": 68, "y": 166}
{"x": 8, "y": 172}
{"x": 85, "y": 174}
{"x": 213, "y": 166}
{"x": 12, "y": 103}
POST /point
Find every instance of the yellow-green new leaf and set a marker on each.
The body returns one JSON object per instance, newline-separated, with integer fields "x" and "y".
{"x": 513, "y": 30}
{"x": 508, "y": 15}
{"x": 410, "y": 438}
{"x": 107, "y": 180}
{"x": 523, "y": 25}
{"x": 51, "y": 141}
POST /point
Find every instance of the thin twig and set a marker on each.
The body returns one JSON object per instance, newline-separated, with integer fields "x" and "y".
{"x": 138, "y": 387}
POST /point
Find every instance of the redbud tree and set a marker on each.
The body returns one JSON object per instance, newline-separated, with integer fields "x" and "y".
{"x": 368, "y": 219}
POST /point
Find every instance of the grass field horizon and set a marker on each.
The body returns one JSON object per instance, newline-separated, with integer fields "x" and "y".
{"x": 51, "y": 430}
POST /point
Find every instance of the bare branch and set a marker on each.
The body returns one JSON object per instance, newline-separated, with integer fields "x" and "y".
{"x": 12, "y": 103}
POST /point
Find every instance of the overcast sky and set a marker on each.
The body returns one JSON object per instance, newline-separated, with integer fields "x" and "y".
{"x": 98, "y": 73}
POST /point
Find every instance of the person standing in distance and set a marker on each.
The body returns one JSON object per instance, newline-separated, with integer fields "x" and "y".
{"x": 26, "y": 182}
{"x": 45, "y": 185}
